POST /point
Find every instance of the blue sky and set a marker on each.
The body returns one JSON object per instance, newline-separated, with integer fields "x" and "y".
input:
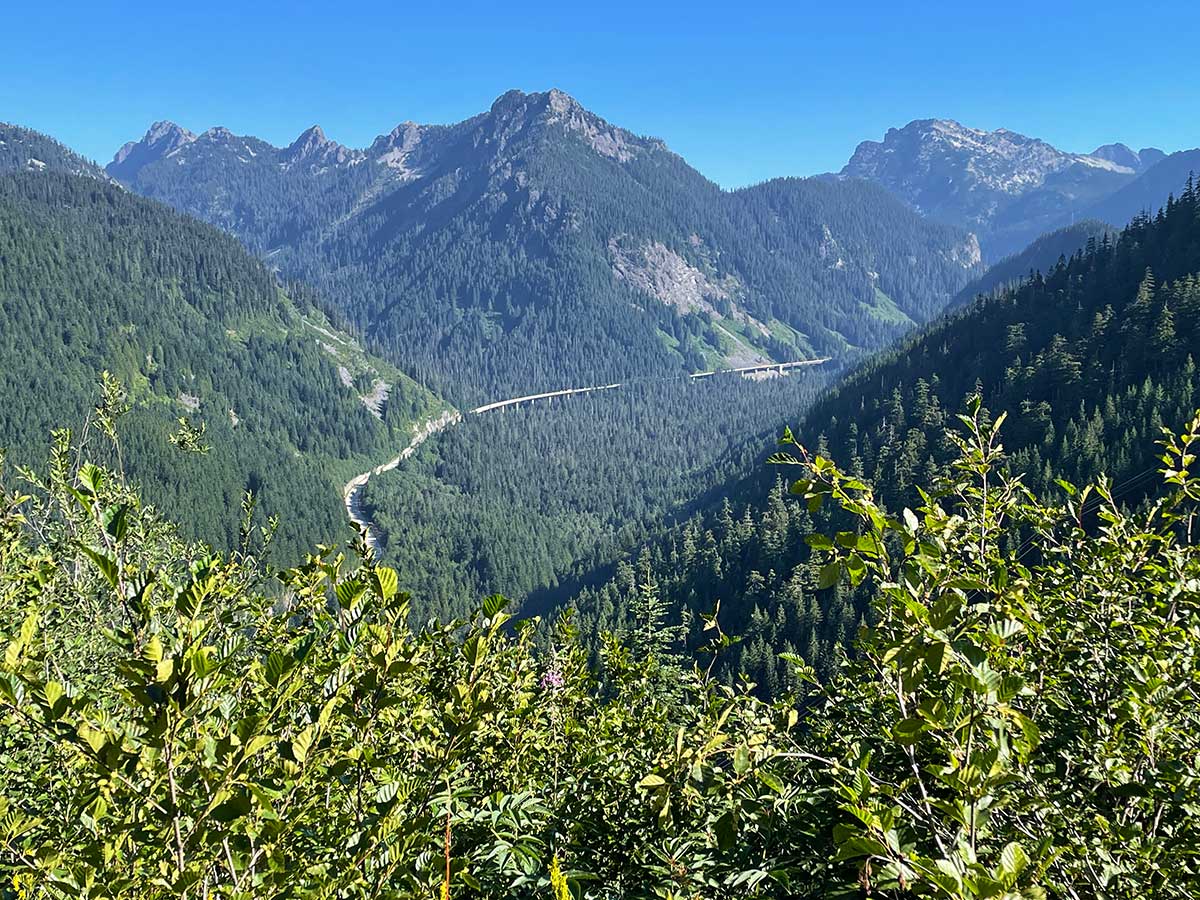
{"x": 744, "y": 91}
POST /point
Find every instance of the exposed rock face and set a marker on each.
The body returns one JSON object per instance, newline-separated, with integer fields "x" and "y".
{"x": 829, "y": 250}
{"x": 615, "y": 143}
{"x": 316, "y": 151}
{"x": 398, "y": 149}
{"x": 663, "y": 274}
{"x": 161, "y": 140}
{"x": 967, "y": 254}
{"x": 1122, "y": 155}
{"x": 1003, "y": 185}
{"x": 660, "y": 272}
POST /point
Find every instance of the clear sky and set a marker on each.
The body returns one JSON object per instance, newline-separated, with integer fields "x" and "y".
{"x": 744, "y": 91}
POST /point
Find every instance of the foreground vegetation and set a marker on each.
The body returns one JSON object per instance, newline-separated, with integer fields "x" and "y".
{"x": 1014, "y": 724}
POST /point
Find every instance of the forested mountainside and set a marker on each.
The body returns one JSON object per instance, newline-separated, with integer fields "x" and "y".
{"x": 536, "y": 246}
{"x": 1040, "y": 256}
{"x": 1009, "y": 188}
{"x": 528, "y": 500}
{"x": 1088, "y": 361}
{"x": 22, "y": 149}
{"x": 94, "y": 279}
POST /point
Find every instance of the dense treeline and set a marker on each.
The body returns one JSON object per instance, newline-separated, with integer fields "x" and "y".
{"x": 485, "y": 263}
{"x": 22, "y": 149}
{"x": 1040, "y": 256}
{"x": 749, "y": 561}
{"x": 93, "y": 279}
{"x": 527, "y": 500}
{"x": 171, "y": 728}
{"x": 1088, "y": 361}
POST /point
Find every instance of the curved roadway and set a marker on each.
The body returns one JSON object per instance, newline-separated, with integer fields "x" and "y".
{"x": 352, "y": 492}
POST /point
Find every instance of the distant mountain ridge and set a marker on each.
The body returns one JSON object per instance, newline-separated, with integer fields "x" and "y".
{"x": 1006, "y": 187}
{"x": 536, "y": 245}
{"x": 1150, "y": 190}
{"x": 1122, "y": 155}
{"x": 161, "y": 140}
{"x": 407, "y": 151}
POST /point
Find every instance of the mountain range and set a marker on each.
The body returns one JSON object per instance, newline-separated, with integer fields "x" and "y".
{"x": 1008, "y": 188}
{"x": 536, "y": 244}
{"x": 531, "y": 247}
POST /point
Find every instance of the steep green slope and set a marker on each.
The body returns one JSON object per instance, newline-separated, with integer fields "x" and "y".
{"x": 1089, "y": 361}
{"x": 93, "y": 278}
{"x": 1040, "y": 256}
{"x": 1085, "y": 359}
{"x": 537, "y": 246}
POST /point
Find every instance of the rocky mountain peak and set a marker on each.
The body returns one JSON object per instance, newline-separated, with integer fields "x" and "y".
{"x": 973, "y": 177}
{"x": 515, "y": 110}
{"x": 312, "y": 137}
{"x": 395, "y": 148}
{"x": 162, "y": 139}
{"x": 314, "y": 148}
{"x": 1150, "y": 156}
{"x": 1123, "y": 155}
{"x": 562, "y": 103}
{"x": 168, "y": 131}
{"x": 1117, "y": 153}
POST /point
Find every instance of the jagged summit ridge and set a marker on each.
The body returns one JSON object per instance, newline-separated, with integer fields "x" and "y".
{"x": 1001, "y": 160}
{"x": 1004, "y": 185}
{"x": 408, "y": 149}
{"x": 160, "y": 140}
{"x": 169, "y": 132}
{"x": 312, "y": 147}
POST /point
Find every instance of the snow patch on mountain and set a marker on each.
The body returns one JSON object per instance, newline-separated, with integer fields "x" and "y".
{"x": 999, "y": 160}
